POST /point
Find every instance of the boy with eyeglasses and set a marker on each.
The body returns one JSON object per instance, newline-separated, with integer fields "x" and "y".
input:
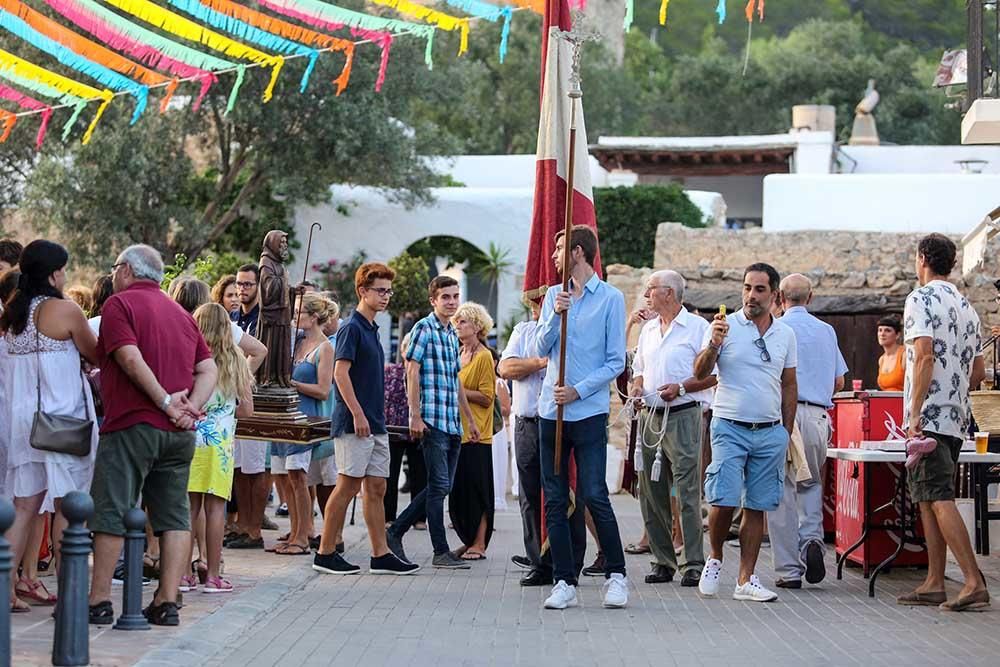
{"x": 753, "y": 417}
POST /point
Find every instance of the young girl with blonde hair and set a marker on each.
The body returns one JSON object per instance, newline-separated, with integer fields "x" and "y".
{"x": 211, "y": 479}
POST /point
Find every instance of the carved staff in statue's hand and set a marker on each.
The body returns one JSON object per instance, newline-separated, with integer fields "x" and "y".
{"x": 305, "y": 271}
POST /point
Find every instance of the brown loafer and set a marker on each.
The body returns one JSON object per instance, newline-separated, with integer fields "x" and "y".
{"x": 978, "y": 601}
{"x": 915, "y": 599}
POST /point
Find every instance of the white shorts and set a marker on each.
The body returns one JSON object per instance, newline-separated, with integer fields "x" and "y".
{"x": 250, "y": 456}
{"x": 280, "y": 465}
{"x": 362, "y": 457}
{"x": 323, "y": 472}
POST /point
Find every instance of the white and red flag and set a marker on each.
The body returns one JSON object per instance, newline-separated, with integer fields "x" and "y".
{"x": 552, "y": 161}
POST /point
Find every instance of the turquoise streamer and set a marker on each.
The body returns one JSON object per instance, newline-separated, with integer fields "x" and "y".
{"x": 249, "y": 33}
{"x": 630, "y": 13}
{"x": 241, "y": 71}
{"x": 45, "y": 90}
{"x": 107, "y": 77}
{"x": 492, "y": 13}
{"x": 720, "y": 9}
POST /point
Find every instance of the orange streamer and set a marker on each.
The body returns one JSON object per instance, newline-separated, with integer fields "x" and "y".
{"x": 289, "y": 31}
{"x": 8, "y": 124}
{"x": 537, "y": 6}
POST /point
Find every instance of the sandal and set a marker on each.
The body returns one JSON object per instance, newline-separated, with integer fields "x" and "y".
{"x": 19, "y": 606}
{"x": 246, "y": 542}
{"x": 151, "y": 566}
{"x": 200, "y": 568}
{"x": 102, "y": 613}
{"x": 636, "y": 549}
{"x": 36, "y": 591}
{"x": 293, "y": 550}
{"x": 164, "y": 613}
{"x": 473, "y": 555}
{"x": 284, "y": 538}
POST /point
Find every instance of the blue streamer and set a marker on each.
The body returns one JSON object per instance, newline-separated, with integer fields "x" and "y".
{"x": 720, "y": 9}
{"x": 107, "y": 77}
{"x": 249, "y": 33}
{"x": 489, "y": 12}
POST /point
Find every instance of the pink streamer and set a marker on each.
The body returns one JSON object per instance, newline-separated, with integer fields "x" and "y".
{"x": 144, "y": 53}
{"x": 380, "y": 37}
{"x": 30, "y": 103}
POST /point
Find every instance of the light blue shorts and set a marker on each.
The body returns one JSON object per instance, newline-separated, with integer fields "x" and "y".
{"x": 748, "y": 467}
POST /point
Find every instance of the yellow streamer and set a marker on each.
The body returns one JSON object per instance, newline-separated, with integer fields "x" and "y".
{"x": 663, "y": 11}
{"x": 31, "y": 71}
{"x": 177, "y": 25}
{"x": 440, "y": 19}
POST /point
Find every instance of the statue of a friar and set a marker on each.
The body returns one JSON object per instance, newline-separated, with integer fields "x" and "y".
{"x": 277, "y": 299}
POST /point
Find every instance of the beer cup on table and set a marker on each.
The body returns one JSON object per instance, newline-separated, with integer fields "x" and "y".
{"x": 982, "y": 441}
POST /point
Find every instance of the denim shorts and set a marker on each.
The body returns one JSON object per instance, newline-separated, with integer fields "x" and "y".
{"x": 748, "y": 467}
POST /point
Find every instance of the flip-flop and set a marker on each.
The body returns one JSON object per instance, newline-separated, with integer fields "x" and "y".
{"x": 475, "y": 555}
{"x": 36, "y": 592}
{"x": 636, "y": 549}
{"x": 288, "y": 551}
{"x": 284, "y": 538}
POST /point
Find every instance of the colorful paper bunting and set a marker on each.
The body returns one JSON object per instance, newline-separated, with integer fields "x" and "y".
{"x": 290, "y": 31}
{"x": 488, "y": 12}
{"x": 30, "y": 103}
{"x": 39, "y": 88}
{"x": 749, "y": 10}
{"x": 720, "y": 9}
{"x": 629, "y": 13}
{"x": 105, "y": 76}
{"x": 663, "y": 11}
{"x": 179, "y": 26}
{"x": 9, "y": 120}
{"x": 30, "y": 74}
{"x": 433, "y": 17}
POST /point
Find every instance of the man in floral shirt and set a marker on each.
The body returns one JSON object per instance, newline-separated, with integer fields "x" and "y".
{"x": 944, "y": 359}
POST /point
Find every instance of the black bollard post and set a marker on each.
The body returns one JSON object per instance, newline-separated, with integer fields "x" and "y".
{"x": 132, "y": 617}
{"x": 6, "y": 519}
{"x": 71, "y": 643}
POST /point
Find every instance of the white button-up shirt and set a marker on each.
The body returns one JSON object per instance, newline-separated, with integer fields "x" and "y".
{"x": 668, "y": 358}
{"x": 524, "y": 399}
{"x": 749, "y": 387}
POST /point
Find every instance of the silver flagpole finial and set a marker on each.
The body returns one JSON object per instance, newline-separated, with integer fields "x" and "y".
{"x": 581, "y": 33}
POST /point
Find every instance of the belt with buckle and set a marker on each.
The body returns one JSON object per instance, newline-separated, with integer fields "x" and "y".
{"x": 683, "y": 406}
{"x": 531, "y": 420}
{"x": 752, "y": 426}
{"x": 815, "y": 405}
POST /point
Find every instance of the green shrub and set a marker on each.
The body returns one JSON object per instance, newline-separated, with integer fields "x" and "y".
{"x": 627, "y": 218}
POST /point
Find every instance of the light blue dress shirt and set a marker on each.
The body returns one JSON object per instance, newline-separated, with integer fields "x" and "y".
{"x": 595, "y": 348}
{"x": 820, "y": 360}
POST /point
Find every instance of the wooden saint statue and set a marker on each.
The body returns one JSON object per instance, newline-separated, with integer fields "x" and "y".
{"x": 276, "y": 305}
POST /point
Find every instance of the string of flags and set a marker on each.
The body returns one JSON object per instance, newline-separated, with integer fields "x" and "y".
{"x": 132, "y": 47}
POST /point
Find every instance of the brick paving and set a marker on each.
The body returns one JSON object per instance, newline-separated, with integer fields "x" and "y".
{"x": 284, "y": 613}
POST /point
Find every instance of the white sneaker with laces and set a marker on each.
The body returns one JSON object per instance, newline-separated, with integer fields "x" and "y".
{"x": 563, "y": 595}
{"x": 708, "y": 585}
{"x": 753, "y": 591}
{"x": 616, "y": 591}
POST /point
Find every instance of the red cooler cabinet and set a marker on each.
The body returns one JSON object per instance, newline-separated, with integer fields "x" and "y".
{"x": 858, "y": 416}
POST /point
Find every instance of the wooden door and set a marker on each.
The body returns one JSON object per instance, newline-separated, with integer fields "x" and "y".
{"x": 856, "y": 335}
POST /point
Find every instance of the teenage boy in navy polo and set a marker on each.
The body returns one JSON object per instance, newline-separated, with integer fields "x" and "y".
{"x": 361, "y": 442}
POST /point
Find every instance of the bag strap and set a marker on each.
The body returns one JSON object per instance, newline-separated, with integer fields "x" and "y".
{"x": 38, "y": 367}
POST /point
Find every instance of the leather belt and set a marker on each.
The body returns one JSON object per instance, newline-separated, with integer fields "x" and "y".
{"x": 683, "y": 406}
{"x": 815, "y": 405}
{"x": 752, "y": 426}
{"x": 527, "y": 419}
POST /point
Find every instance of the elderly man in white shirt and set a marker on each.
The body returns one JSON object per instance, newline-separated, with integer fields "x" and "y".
{"x": 671, "y": 427}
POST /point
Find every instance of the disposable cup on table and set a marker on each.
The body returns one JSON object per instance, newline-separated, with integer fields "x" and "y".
{"x": 982, "y": 441}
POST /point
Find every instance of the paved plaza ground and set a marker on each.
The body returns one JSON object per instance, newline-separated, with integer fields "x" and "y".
{"x": 285, "y": 614}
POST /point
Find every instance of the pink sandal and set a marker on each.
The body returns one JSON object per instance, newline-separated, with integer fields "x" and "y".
{"x": 917, "y": 448}
{"x": 189, "y": 582}
{"x": 36, "y": 591}
{"x": 217, "y": 585}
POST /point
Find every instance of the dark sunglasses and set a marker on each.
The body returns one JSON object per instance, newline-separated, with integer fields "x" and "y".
{"x": 765, "y": 356}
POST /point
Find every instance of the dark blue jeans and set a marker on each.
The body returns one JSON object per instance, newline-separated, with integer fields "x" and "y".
{"x": 587, "y": 439}
{"x": 441, "y": 457}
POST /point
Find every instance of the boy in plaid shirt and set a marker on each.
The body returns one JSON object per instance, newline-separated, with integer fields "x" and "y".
{"x": 435, "y": 397}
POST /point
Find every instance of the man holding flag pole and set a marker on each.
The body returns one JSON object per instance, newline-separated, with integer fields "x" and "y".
{"x": 581, "y": 329}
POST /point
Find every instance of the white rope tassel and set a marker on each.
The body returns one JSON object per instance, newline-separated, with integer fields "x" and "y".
{"x": 638, "y": 463}
{"x": 654, "y": 474}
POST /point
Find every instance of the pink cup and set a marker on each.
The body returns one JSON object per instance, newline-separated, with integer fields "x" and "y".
{"x": 856, "y": 384}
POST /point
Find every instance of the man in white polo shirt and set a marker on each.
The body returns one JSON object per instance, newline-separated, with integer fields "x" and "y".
{"x": 753, "y": 417}
{"x": 670, "y": 427}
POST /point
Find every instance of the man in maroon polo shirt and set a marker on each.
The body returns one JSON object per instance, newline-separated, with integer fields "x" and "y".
{"x": 156, "y": 374}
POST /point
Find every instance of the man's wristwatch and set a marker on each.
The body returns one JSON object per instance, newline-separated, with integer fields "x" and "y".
{"x": 680, "y": 389}
{"x": 165, "y": 403}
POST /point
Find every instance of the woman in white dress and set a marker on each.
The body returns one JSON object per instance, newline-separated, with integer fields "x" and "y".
{"x": 45, "y": 335}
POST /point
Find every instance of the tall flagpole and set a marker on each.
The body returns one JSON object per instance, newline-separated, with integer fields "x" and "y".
{"x": 576, "y": 38}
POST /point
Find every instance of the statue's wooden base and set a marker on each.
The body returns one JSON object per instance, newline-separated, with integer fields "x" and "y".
{"x": 277, "y": 418}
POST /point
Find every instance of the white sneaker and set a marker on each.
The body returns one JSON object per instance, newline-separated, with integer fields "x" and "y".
{"x": 563, "y": 595}
{"x": 616, "y": 591}
{"x": 708, "y": 584}
{"x": 753, "y": 591}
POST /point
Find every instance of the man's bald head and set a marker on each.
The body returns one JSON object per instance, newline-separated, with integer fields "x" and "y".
{"x": 796, "y": 289}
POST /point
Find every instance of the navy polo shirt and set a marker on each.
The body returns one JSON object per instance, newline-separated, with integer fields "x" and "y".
{"x": 357, "y": 342}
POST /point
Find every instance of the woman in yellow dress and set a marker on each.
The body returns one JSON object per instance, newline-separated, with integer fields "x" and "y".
{"x": 470, "y": 503}
{"x": 211, "y": 480}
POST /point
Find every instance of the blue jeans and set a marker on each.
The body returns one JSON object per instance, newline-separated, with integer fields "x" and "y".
{"x": 441, "y": 457}
{"x": 588, "y": 440}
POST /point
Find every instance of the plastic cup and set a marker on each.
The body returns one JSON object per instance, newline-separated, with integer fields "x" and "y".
{"x": 857, "y": 385}
{"x": 982, "y": 441}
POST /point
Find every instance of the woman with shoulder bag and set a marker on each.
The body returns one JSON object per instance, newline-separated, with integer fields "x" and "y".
{"x": 50, "y": 409}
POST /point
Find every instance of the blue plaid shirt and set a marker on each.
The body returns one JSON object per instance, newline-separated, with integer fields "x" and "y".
{"x": 435, "y": 348}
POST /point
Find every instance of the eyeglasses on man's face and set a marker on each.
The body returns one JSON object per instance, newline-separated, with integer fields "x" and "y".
{"x": 381, "y": 291}
{"x": 765, "y": 356}
{"x": 245, "y": 284}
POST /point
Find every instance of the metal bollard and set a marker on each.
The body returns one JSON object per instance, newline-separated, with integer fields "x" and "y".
{"x": 132, "y": 617}
{"x": 6, "y": 519}
{"x": 71, "y": 643}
